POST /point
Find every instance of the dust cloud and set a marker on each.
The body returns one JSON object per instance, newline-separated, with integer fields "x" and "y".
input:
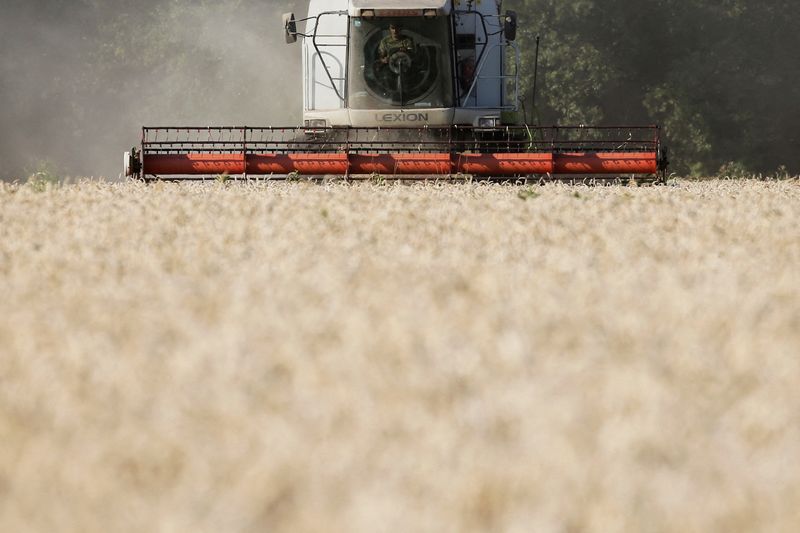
{"x": 78, "y": 79}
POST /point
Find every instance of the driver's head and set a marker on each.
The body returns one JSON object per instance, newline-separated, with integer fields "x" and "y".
{"x": 394, "y": 30}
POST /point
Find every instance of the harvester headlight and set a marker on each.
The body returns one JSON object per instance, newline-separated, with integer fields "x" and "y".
{"x": 317, "y": 123}
{"x": 368, "y": 13}
{"x": 429, "y": 13}
{"x": 488, "y": 122}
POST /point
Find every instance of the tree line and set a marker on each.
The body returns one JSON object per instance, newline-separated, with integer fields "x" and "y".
{"x": 721, "y": 76}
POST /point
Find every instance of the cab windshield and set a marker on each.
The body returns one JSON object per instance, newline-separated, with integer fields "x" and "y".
{"x": 400, "y": 62}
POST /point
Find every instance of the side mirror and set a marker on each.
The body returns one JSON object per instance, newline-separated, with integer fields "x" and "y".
{"x": 290, "y": 28}
{"x": 510, "y": 25}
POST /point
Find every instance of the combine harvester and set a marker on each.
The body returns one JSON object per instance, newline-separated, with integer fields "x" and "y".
{"x": 405, "y": 89}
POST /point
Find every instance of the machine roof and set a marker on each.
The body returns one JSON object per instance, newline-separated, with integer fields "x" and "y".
{"x": 357, "y": 5}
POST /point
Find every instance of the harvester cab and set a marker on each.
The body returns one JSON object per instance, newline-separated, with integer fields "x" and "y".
{"x": 404, "y": 88}
{"x": 392, "y": 63}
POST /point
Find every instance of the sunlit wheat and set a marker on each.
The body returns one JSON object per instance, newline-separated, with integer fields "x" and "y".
{"x": 436, "y": 358}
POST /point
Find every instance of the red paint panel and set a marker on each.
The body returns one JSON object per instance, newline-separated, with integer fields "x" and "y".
{"x": 406, "y": 164}
{"x": 606, "y": 163}
{"x": 505, "y": 164}
{"x": 305, "y": 164}
{"x": 193, "y": 164}
{"x": 402, "y": 164}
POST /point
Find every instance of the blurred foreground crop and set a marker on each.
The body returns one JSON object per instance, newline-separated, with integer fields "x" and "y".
{"x": 295, "y": 357}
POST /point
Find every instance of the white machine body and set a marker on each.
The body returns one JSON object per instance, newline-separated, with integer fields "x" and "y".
{"x": 401, "y": 63}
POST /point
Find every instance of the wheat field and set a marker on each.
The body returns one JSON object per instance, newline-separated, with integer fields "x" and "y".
{"x": 389, "y": 358}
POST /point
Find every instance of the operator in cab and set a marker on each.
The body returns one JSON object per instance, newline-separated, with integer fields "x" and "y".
{"x": 393, "y": 43}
